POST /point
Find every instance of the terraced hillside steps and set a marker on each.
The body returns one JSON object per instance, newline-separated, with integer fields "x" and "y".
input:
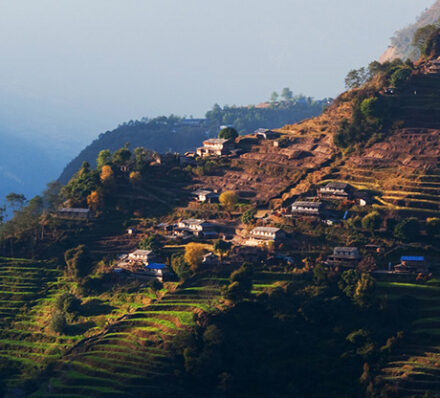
{"x": 25, "y": 288}
{"x": 130, "y": 359}
{"x": 401, "y": 190}
{"x": 415, "y": 369}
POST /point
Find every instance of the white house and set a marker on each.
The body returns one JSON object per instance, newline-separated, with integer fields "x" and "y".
{"x": 144, "y": 256}
{"x": 335, "y": 190}
{"x": 307, "y": 208}
{"x": 268, "y": 234}
{"x": 205, "y": 195}
{"x": 215, "y": 147}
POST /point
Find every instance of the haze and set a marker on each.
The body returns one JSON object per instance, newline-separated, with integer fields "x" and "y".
{"x": 72, "y": 69}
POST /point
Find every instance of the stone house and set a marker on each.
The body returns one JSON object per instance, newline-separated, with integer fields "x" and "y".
{"x": 344, "y": 257}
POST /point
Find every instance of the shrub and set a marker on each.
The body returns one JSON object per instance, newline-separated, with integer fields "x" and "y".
{"x": 433, "y": 226}
{"x": 194, "y": 255}
{"x": 58, "y": 323}
{"x": 407, "y": 229}
{"x": 400, "y": 76}
{"x": 150, "y": 243}
{"x": 248, "y": 216}
{"x": 180, "y": 267}
{"x": 78, "y": 261}
{"x": 228, "y": 199}
{"x": 67, "y": 303}
{"x": 371, "y": 221}
{"x": 228, "y": 133}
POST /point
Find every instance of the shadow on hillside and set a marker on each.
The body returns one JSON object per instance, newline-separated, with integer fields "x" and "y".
{"x": 95, "y": 307}
{"x": 79, "y": 328}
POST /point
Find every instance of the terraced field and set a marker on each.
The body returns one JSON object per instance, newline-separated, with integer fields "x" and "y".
{"x": 26, "y": 289}
{"x": 407, "y": 192}
{"x": 415, "y": 369}
{"x": 130, "y": 358}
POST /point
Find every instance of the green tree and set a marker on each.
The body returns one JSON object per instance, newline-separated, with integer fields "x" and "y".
{"x": 422, "y": 36}
{"x": 51, "y": 196}
{"x": 67, "y": 303}
{"x": 371, "y": 108}
{"x": 222, "y": 247}
{"x": 287, "y": 94}
{"x": 194, "y": 255}
{"x": 2, "y": 214}
{"x": 180, "y": 267}
{"x": 433, "y": 226}
{"x": 81, "y": 185}
{"x": 228, "y": 133}
{"x": 248, "y": 216}
{"x": 78, "y": 261}
{"x": 140, "y": 158}
{"x": 228, "y": 200}
{"x": 407, "y": 230}
{"x": 104, "y": 158}
{"x": 356, "y": 78}
{"x": 150, "y": 243}
{"x": 320, "y": 275}
{"x": 274, "y": 96}
{"x": 358, "y": 286}
{"x": 121, "y": 157}
{"x": 16, "y": 200}
{"x": 372, "y": 221}
{"x": 58, "y": 323}
{"x": 400, "y": 76}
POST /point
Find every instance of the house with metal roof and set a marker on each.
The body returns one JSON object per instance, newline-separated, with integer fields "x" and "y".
{"x": 335, "y": 190}
{"x": 197, "y": 227}
{"x": 156, "y": 270}
{"x": 205, "y": 196}
{"x": 144, "y": 256}
{"x": 267, "y": 234}
{"x": 307, "y": 208}
{"x": 344, "y": 257}
{"x": 265, "y": 134}
{"x": 74, "y": 213}
{"x": 412, "y": 264}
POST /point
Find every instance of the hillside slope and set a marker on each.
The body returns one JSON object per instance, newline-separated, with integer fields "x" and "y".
{"x": 401, "y": 42}
{"x": 174, "y": 134}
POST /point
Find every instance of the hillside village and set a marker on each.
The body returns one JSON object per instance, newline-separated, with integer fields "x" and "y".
{"x": 307, "y": 254}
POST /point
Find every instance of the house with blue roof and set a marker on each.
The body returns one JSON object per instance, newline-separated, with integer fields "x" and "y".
{"x": 412, "y": 264}
{"x": 156, "y": 270}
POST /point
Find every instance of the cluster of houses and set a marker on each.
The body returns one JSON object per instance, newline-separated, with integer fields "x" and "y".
{"x": 316, "y": 207}
{"x": 350, "y": 257}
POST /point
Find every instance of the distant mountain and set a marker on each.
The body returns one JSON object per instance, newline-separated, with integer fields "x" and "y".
{"x": 401, "y": 42}
{"x": 174, "y": 134}
{"x": 24, "y": 167}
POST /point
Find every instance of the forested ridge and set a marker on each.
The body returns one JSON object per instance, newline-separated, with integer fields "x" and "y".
{"x": 177, "y": 134}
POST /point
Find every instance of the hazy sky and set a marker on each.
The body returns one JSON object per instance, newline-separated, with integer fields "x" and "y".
{"x": 77, "y": 67}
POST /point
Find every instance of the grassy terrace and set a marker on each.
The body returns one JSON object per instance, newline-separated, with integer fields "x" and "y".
{"x": 131, "y": 357}
{"x": 415, "y": 369}
{"x": 24, "y": 286}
